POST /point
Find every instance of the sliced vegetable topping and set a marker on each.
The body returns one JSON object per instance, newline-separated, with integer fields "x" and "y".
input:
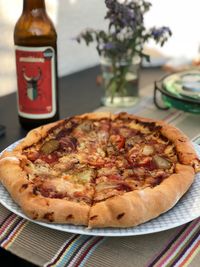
{"x": 161, "y": 162}
{"x": 49, "y": 146}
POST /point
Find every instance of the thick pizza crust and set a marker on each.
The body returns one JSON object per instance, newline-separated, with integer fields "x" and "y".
{"x": 37, "y": 134}
{"x": 95, "y": 116}
{"x": 128, "y": 209}
{"x": 136, "y": 207}
{"x": 184, "y": 147}
{"x": 38, "y": 207}
{"x": 34, "y": 206}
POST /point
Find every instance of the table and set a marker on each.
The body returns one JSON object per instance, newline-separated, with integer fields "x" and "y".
{"x": 46, "y": 247}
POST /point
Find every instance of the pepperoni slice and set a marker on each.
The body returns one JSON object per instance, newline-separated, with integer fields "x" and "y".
{"x": 51, "y": 158}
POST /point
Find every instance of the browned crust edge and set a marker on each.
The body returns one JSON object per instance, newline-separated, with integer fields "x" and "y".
{"x": 38, "y": 133}
{"x": 133, "y": 208}
{"x": 183, "y": 145}
{"x": 38, "y": 207}
{"x": 95, "y": 115}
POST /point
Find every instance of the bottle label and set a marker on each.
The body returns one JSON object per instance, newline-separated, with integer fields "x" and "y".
{"x": 36, "y": 82}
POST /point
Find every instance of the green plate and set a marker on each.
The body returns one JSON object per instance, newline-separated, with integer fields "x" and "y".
{"x": 181, "y": 90}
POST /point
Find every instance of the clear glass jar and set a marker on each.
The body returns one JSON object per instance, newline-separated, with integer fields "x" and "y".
{"x": 121, "y": 82}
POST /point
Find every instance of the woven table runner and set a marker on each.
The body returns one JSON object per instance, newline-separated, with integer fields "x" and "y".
{"x": 46, "y": 247}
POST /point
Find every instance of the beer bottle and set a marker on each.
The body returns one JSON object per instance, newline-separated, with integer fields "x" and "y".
{"x": 35, "y": 41}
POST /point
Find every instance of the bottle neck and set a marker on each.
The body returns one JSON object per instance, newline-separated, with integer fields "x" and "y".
{"x": 29, "y": 5}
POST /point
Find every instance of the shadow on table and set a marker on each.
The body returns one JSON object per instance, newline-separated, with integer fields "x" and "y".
{"x": 11, "y": 260}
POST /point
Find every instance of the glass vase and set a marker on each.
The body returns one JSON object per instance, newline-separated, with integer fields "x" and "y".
{"x": 120, "y": 81}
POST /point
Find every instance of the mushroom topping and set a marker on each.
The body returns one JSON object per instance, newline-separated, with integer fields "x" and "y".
{"x": 86, "y": 126}
{"x": 161, "y": 162}
{"x": 147, "y": 150}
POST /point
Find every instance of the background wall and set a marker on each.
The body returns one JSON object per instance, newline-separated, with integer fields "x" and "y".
{"x": 183, "y": 18}
{"x": 72, "y": 16}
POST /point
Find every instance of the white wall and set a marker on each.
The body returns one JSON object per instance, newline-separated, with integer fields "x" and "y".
{"x": 183, "y": 17}
{"x": 72, "y": 16}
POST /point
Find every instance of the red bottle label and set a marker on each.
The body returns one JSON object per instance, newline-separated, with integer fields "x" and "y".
{"x": 36, "y": 81}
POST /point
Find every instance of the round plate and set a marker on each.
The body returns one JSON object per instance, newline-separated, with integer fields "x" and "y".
{"x": 186, "y": 210}
{"x": 184, "y": 84}
{"x": 180, "y": 90}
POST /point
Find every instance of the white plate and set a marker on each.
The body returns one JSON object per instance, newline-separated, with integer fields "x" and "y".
{"x": 186, "y": 210}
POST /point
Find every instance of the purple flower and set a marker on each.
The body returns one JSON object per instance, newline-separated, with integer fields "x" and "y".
{"x": 160, "y": 32}
{"x": 124, "y": 15}
{"x": 110, "y": 4}
{"x": 126, "y": 33}
{"x": 109, "y": 46}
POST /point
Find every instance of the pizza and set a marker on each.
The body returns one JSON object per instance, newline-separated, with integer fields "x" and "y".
{"x": 99, "y": 170}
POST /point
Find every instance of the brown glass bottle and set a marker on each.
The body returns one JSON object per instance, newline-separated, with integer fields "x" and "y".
{"x": 35, "y": 41}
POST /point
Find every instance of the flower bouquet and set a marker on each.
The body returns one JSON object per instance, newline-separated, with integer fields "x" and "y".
{"x": 121, "y": 48}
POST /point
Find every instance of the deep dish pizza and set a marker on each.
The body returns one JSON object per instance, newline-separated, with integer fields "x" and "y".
{"x": 99, "y": 170}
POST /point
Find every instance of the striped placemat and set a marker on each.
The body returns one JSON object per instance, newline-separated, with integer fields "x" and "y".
{"x": 46, "y": 247}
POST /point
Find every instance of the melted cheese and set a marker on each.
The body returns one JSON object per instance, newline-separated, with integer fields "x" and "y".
{"x": 62, "y": 185}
